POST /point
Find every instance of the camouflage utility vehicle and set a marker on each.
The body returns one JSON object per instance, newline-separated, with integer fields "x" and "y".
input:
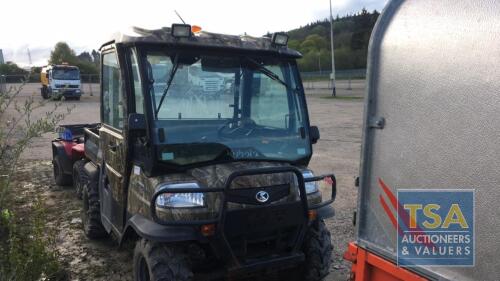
{"x": 209, "y": 185}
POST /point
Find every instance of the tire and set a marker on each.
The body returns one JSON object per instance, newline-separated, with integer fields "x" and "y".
{"x": 80, "y": 178}
{"x": 44, "y": 93}
{"x": 91, "y": 212}
{"x": 156, "y": 261}
{"x": 318, "y": 250}
{"x": 59, "y": 176}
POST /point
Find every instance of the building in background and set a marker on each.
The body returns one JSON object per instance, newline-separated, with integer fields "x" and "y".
{"x": 1, "y": 57}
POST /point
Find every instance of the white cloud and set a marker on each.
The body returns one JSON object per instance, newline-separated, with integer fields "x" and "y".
{"x": 85, "y": 25}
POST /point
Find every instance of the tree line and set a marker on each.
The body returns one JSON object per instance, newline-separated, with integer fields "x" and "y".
{"x": 351, "y": 35}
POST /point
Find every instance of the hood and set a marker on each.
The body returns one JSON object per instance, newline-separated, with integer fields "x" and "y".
{"x": 216, "y": 175}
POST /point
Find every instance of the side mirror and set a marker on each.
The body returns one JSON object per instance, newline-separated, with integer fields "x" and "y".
{"x": 136, "y": 122}
{"x": 314, "y": 134}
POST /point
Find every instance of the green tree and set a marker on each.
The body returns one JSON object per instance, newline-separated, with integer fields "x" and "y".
{"x": 10, "y": 68}
{"x": 85, "y": 57}
{"x": 314, "y": 42}
{"x": 62, "y": 53}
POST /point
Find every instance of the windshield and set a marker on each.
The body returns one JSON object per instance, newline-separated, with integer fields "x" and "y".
{"x": 65, "y": 74}
{"x": 225, "y": 108}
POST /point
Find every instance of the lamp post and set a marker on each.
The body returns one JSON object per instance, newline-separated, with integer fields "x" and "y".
{"x": 332, "y": 75}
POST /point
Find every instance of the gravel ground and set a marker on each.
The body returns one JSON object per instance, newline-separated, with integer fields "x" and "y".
{"x": 339, "y": 120}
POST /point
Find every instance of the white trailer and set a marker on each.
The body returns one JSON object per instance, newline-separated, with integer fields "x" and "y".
{"x": 431, "y": 122}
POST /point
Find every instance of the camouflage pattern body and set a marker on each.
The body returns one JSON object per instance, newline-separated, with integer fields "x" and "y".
{"x": 142, "y": 189}
{"x": 203, "y": 38}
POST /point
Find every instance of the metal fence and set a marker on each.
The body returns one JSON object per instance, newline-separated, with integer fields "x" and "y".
{"x": 3, "y": 87}
{"x": 345, "y": 79}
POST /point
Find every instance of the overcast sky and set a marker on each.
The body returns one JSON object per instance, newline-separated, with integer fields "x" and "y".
{"x": 85, "y": 25}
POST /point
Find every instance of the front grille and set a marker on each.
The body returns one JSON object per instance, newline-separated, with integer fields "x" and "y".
{"x": 67, "y": 86}
{"x": 260, "y": 232}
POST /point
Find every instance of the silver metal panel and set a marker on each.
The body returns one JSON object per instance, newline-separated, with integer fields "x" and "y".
{"x": 434, "y": 78}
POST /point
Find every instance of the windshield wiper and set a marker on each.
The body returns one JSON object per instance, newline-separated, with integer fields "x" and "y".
{"x": 268, "y": 72}
{"x": 169, "y": 82}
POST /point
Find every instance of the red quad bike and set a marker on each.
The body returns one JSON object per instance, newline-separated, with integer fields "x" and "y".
{"x": 68, "y": 156}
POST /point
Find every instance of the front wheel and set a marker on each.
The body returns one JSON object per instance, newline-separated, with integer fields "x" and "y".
{"x": 156, "y": 261}
{"x": 318, "y": 250}
{"x": 91, "y": 214}
{"x": 80, "y": 178}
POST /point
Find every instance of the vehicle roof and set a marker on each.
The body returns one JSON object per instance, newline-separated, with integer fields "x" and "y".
{"x": 202, "y": 39}
{"x": 59, "y": 66}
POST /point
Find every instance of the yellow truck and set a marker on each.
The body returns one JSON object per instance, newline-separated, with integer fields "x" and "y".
{"x": 60, "y": 80}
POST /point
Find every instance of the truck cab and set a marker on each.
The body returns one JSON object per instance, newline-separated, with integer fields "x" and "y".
{"x": 60, "y": 81}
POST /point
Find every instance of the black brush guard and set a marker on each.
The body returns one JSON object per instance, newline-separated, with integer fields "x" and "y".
{"x": 286, "y": 222}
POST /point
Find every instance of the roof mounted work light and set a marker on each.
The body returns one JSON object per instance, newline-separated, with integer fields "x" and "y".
{"x": 280, "y": 39}
{"x": 181, "y": 30}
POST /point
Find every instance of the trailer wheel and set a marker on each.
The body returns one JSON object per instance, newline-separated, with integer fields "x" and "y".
{"x": 80, "y": 178}
{"x": 157, "y": 261}
{"x": 91, "y": 214}
{"x": 318, "y": 250}
{"x": 60, "y": 177}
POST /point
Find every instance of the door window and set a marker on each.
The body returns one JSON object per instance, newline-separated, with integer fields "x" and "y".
{"x": 112, "y": 99}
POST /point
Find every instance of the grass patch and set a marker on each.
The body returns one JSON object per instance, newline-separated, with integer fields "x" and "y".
{"x": 342, "y": 97}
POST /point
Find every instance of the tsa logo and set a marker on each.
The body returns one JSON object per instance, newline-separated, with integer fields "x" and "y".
{"x": 435, "y": 226}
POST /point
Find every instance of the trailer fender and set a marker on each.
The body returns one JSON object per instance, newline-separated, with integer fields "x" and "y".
{"x": 148, "y": 229}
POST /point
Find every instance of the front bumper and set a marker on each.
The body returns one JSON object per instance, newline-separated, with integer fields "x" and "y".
{"x": 67, "y": 92}
{"x": 250, "y": 238}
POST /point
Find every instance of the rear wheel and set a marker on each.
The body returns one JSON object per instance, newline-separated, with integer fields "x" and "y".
{"x": 318, "y": 250}
{"x": 157, "y": 261}
{"x": 60, "y": 177}
{"x": 91, "y": 214}
{"x": 80, "y": 179}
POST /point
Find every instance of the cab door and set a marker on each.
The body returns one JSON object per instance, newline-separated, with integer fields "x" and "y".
{"x": 112, "y": 141}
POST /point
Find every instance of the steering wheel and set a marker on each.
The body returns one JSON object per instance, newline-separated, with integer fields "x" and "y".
{"x": 244, "y": 126}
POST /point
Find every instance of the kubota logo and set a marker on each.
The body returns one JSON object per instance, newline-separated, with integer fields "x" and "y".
{"x": 262, "y": 196}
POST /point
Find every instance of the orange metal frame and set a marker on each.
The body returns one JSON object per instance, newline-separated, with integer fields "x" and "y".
{"x": 370, "y": 267}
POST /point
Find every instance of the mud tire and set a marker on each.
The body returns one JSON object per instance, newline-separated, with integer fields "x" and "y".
{"x": 91, "y": 214}
{"x": 59, "y": 176}
{"x": 80, "y": 178}
{"x": 318, "y": 250}
{"x": 160, "y": 262}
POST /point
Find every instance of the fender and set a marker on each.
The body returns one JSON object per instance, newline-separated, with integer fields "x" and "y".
{"x": 326, "y": 212}
{"x": 92, "y": 171}
{"x": 58, "y": 149}
{"x": 150, "y": 230}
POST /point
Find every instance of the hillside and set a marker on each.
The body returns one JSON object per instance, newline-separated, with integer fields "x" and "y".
{"x": 351, "y": 35}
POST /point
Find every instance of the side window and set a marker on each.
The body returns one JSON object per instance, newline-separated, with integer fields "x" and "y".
{"x": 112, "y": 99}
{"x": 139, "y": 97}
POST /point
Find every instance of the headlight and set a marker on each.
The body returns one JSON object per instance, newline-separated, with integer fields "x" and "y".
{"x": 180, "y": 200}
{"x": 311, "y": 187}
